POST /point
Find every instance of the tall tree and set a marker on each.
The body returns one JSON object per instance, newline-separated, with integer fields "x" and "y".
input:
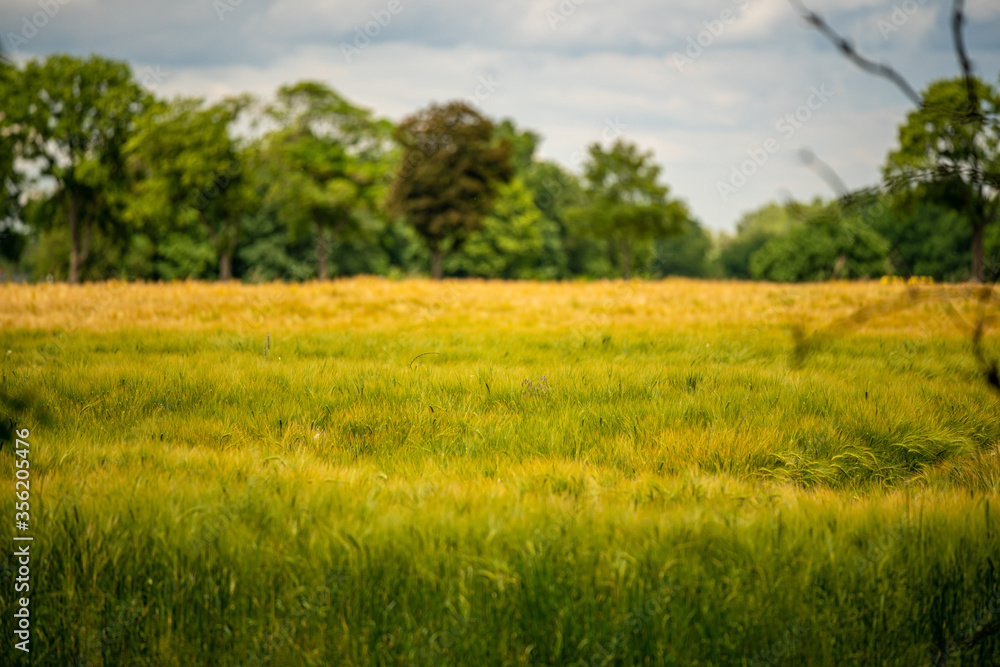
{"x": 952, "y": 143}
{"x": 451, "y": 168}
{"x": 327, "y": 161}
{"x": 12, "y": 241}
{"x": 952, "y": 135}
{"x": 626, "y": 204}
{"x": 190, "y": 167}
{"x": 11, "y": 114}
{"x": 557, "y": 192}
{"x": 78, "y": 115}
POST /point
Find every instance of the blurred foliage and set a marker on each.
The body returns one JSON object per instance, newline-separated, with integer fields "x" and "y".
{"x": 688, "y": 254}
{"x": 189, "y": 173}
{"x": 517, "y": 241}
{"x": 825, "y": 245}
{"x": 449, "y": 175}
{"x": 753, "y": 232}
{"x": 949, "y": 151}
{"x": 309, "y": 185}
{"x": 325, "y": 166}
{"x": 625, "y": 203}
{"x": 72, "y": 118}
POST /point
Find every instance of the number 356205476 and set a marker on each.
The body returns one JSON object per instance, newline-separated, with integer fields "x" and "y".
{"x": 22, "y": 486}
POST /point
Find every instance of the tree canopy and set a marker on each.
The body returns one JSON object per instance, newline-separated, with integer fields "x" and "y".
{"x": 99, "y": 178}
{"x": 952, "y": 142}
{"x": 78, "y": 114}
{"x": 451, "y": 169}
{"x": 625, "y": 202}
{"x": 189, "y": 170}
{"x": 324, "y": 165}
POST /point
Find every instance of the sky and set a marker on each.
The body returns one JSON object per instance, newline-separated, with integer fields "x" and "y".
{"x": 725, "y": 93}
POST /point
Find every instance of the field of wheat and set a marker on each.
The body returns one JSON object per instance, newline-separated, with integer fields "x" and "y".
{"x": 380, "y": 472}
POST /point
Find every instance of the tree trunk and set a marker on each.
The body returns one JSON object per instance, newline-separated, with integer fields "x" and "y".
{"x": 322, "y": 250}
{"x": 437, "y": 263}
{"x": 978, "y": 265}
{"x": 626, "y": 259}
{"x": 227, "y": 246}
{"x": 75, "y": 259}
{"x": 225, "y": 266}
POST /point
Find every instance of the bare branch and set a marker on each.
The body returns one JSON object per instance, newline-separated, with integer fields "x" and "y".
{"x": 870, "y": 66}
{"x": 957, "y": 20}
{"x": 824, "y": 171}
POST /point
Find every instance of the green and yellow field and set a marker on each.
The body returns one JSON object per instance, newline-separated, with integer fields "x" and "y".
{"x": 481, "y": 473}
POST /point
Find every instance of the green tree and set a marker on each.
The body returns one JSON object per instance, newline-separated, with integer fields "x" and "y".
{"x": 686, "y": 254}
{"x": 753, "y": 231}
{"x": 12, "y": 240}
{"x": 326, "y": 164}
{"x": 953, "y": 140}
{"x": 828, "y": 244}
{"x": 557, "y": 192}
{"x": 625, "y": 203}
{"x": 928, "y": 233}
{"x": 516, "y": 241}
{"x": 78, "y": 115}
{"x": 451, "y": 169}
{"x": 191, "y": 172}
{"x": 10, "y": 134}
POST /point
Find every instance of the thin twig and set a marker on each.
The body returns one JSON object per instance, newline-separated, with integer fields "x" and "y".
{"x": 824, "y": 171}
{"x": 957, "y": 20}
{"x": 423, "y": 354}
{"x": 870, "y": 66}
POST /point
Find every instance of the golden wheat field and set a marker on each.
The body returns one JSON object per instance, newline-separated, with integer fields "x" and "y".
{"x": 370, "y": 471}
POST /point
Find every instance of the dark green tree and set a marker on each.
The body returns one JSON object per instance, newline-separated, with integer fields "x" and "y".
{"x": 686, "y": 254}
{"x": 625, "y": 203}
{"x": 451, "y": 168}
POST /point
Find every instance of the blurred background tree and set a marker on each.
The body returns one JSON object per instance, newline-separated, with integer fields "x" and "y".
{"x": 949, "y": 151}
{"x": 100, "y": 179}
{"x": 191, "y": 185}
{"x": 12, "y": 232}
{"x": 625, "y": 203}
{"x": 825, "y": 244}
{"x": 450, "y": 172}
{"x": 78, "y": 114}
{"x": 324, "y": 166}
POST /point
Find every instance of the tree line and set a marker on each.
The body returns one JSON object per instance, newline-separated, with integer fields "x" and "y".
{"x": 103, "y": 179}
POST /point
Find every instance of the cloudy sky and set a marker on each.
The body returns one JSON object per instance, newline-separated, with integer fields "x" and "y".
{"x": 704, "y": 85}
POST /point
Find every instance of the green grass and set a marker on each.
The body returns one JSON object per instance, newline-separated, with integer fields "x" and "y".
{"x": 665, "y": 495}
